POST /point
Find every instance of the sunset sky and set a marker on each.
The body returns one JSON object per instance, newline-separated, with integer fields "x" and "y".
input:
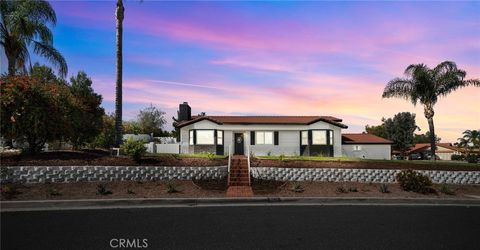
{"x": 275, "y": 58}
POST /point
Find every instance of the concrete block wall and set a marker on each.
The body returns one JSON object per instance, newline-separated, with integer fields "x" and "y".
{"x": 359, "y": 175}
{"x": 56, "y": 174}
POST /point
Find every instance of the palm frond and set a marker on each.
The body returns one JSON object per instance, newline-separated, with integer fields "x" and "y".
{"x": 399, "y": 87}
{"x": 52, "y": 55}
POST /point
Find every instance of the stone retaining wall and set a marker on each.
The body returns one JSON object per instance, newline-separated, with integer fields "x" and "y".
{"x": 53, "y": 174}
{"x": 359, "y": 175}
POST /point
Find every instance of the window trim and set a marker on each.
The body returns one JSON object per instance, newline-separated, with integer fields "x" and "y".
{"x": 191, "y": 136}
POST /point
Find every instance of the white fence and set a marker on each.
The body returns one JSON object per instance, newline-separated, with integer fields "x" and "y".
{"x": 173, "y": 148}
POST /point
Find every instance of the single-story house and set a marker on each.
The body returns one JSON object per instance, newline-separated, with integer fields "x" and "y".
{"x": 444, "y": 150}
{"x": 366, "y": 146}
{"x": 260, "y": 135}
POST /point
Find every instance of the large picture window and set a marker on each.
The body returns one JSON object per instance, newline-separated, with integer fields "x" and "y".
{"x": 304, "y": 137}
{"x": 190, "y": 137}
{"x": 319, "y": 137}
{"x": 205, "y": 137}
{"x": 264, "y": 137}
{"x": 219, "y": 137}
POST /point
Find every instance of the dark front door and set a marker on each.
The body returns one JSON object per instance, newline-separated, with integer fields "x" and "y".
{"x": 238, "y": 143}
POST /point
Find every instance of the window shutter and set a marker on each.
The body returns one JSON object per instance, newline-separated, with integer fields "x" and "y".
{"x": 275, "y": 138}
{"x": 215, "y": 136}
{"x": 194, "y": 137}
{"x": 309, "y": 137}
{"x": 252, "y": 137}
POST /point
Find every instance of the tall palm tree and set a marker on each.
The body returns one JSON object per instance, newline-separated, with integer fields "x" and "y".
{"x": 118, "y": 91}
{"x": 25, "y": 25}
{"x": 425, "y": 85}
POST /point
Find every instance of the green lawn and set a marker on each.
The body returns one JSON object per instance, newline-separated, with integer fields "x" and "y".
{"x": 321, "y": 158}
{"x": 203, "y": 155}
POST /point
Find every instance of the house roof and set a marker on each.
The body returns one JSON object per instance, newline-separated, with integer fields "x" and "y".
{"x": 361, "y": 138}
{"x": 285, "y": 120}
{"x": 421, "y": 146}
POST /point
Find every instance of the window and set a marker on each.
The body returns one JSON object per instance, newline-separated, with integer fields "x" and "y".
{"x": 190, "y": 138}
{"x": 205, "y": 137}
{"x": 264, "y": 137}
{"x": 330, "y": 132}
{"x": 357, "y": 147}
{"x": 304, "y": 137}
{"x": 219, "y": 137}
{"x": 319, "y": 137}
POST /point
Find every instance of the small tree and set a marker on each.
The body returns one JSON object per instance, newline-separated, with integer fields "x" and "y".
{"x": 106, "y": 138}
{"x": 401, "y": 130}
{"x": 86, "y": 114}
{"x": 377, "y": 130}
{"x": 151, "y": 120}
{"x": 33, "y": 111}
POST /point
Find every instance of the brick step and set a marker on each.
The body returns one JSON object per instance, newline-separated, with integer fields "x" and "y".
{"x": 239, "y": 174}
{"x": 242, "y": 178}
{"x": 239, "y": 184}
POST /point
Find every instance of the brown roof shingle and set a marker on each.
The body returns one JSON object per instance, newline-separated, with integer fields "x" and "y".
{"x": 290, "y": 120}
{"x": 360, "y": 138}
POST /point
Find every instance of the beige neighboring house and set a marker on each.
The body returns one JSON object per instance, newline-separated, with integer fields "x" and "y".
{"x": 366, "y": 146}
{"x": 444, "y": 150}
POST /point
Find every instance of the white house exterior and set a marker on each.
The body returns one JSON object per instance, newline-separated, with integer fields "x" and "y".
{"x": 366, "y": 146}
{"x": 260, "y": 135}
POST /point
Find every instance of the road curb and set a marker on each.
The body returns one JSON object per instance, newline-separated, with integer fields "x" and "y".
{"x": 42, "y": 205}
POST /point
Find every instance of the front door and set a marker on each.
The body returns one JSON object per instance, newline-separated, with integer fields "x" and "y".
{"x": 238, "y": 143}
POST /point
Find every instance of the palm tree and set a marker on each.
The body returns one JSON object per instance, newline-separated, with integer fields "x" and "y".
{"x": 471, "y": 138}
{"x": 24, "y": 25}
{"x": 425, "y": 85}
{"x": 118, "y": 93}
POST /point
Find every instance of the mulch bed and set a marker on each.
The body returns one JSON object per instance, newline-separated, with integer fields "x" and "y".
{"x": 205, "y": 189}
{"x": 362, "y": 165}
{"x": 101, "y": 158}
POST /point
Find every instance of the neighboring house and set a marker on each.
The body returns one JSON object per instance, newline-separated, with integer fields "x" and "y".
{"x": 444, "y": 150}
{"x": 366, "y": 146}
{"x": 260, "y": 135}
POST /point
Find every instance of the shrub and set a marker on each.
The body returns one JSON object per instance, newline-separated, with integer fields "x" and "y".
{"x": 54, "y": 192}
{"x": 129, "y": 191}
{"x": 384, "y": 188}
{"x": 134, "y": 149}
{"x": 458, "y": 158}
{"x": 471, "y": 158}
{"x": 102, "y": 189}
{"x": 210, "y": 156}
{"x": 282, "y": 157}
{"x": 341, "y": 190}
{"x": 352, "y": 189}
{"x": 446, "y": 190}
{"x": 171, "y": 188}
{"x": 297, "y": 188}
{"x": 9, "y": 191}
{"x": 411, "y": 180}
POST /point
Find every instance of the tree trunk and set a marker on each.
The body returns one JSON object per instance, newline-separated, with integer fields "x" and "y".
{"x": 429, "y": 113}
{"x": 118, "y": 93}
{"x": 11, "y": 65}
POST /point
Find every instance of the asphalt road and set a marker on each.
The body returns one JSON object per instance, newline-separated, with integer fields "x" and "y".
{"x": 258, "y": 227}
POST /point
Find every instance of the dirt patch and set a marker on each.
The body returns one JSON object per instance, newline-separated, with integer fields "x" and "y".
{"x": 355, "y": 189}
{"x": 362, "y": 165}
{"x": 203, "y": 189}
{"x": 120, "y": 189}
{"x": 101, "y": 158}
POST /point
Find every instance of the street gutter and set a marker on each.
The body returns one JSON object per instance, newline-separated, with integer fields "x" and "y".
{"x": 51, "y": 205}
